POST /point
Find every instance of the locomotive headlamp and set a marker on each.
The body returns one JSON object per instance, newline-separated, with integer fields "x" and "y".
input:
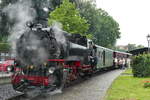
{"x": 9, "y": 68}
{"x": 31, "y": 67}
{"x": 51, "y": 70}
{"x": 29, "y": 24}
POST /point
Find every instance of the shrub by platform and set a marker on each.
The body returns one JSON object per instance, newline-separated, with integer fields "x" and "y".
{"x": 141, "y": 65}
{"x": 4, "y": 47}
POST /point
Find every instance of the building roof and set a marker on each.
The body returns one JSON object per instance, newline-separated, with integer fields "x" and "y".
{"x": 139, "y": 51}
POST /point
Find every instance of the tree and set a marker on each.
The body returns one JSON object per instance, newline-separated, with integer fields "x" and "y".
{"x": 102, "y": 26}
{"x": 134, "y": 46}
{"x": 108, "y": 31}
{"x": 88, "y": 11}
{"x": 55, "y": 3}
{"x": 69, "y": 17}
{"x": 140, "y": 46}
{"x": 78, "y": 3}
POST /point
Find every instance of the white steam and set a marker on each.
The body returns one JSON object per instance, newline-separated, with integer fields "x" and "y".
{"x": 57, "y": 27}
{"x": 20, "y": 13}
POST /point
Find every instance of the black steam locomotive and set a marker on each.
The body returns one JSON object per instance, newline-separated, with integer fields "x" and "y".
{"x": 44, "y": 61}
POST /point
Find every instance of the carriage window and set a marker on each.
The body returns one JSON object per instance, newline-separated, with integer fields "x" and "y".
{"x": 99, "y": 54}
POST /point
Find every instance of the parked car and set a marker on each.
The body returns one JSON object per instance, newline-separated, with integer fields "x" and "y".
{"x": 7, "y": 65}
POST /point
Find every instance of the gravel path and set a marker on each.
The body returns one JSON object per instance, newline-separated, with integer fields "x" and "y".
{"x": 92, "y": 89}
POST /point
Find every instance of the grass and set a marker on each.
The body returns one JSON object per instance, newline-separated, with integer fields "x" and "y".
{"x": 127, "y": 87}
{"x": 128, "y": 71}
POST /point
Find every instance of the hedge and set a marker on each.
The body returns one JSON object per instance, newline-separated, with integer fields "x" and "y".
{"x": 4, "y": 47}
{"x": 141, "y": 65}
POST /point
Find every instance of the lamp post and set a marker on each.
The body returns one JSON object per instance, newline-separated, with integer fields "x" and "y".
{"x": 148, "y": 39}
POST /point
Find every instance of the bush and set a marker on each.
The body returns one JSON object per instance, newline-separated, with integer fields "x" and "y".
{"x": 141, "y": 65}
{"x": 4, "y": 47}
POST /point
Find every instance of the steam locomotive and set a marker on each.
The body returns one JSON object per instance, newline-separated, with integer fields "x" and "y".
{"x": 47, "y": 59}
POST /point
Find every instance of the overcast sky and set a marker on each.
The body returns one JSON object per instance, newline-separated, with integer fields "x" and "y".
{"x": 133, "y": 17}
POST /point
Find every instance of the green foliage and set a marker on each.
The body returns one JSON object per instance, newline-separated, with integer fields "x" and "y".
{"x": 55, "y": 3}
{"x": 140, "y": 46}
{"x": 4, "y": 46}
{"x": 134, "y": 46}
{"x": 128, "y": 71}
{"x": 78, "y": 3}
{"x": 3, "y": 38}
{"x": 89, "y": 36}
{"x": 108, "y": 32}
{"x": 89, "y": 12}
{"x": 102, "y": 26}
{"x": 141, "y": 65}
{"x": 69, "y": 17}
{"x": 131, "y": 47}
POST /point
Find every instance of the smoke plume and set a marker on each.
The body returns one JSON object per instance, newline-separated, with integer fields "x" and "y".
{"x": 30, "y": 49}
{"x": 20, "y": 13}
{"x": 57, "y": 27}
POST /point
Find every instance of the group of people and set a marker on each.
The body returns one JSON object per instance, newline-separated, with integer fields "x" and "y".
{"x": 122, "y": 62}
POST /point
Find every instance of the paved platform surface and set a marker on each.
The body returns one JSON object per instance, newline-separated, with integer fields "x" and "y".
{"x": 92, "y": 89}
